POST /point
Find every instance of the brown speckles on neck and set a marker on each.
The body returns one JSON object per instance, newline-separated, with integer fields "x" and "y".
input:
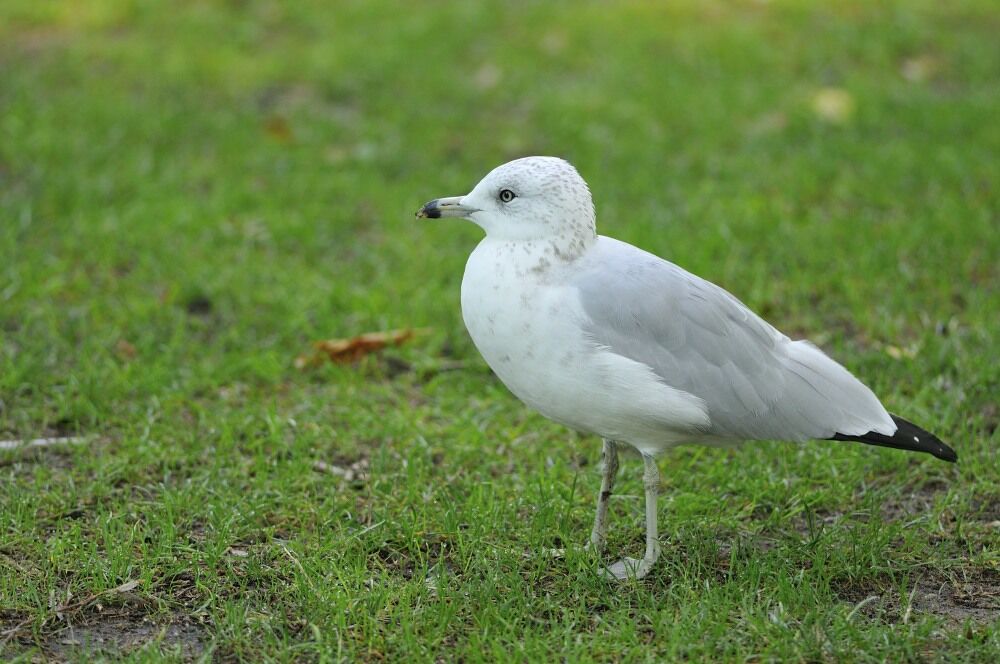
{"x": 541, "y": 266}
{"x": 567, "y": 248}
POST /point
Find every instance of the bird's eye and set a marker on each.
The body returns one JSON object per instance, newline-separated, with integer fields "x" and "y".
{"x": 506, "y": 195}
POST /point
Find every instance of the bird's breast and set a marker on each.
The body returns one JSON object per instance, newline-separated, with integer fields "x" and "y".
{"x": 522, "y": 322}
{"x": 503, "y": 302}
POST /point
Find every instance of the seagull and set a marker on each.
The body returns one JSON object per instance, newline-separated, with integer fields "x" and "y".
{"x": 611, "y": 340}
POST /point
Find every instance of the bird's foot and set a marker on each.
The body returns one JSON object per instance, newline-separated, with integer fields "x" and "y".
{"x": 628, "y": 568}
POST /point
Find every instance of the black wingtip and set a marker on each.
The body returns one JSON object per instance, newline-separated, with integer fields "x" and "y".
{"x": 909, "y": 437}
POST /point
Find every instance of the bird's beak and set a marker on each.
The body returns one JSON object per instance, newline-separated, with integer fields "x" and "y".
{"x": 445, "y": 207}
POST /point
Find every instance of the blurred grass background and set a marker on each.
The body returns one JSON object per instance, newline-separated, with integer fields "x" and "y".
{"x": 193, "y": 192}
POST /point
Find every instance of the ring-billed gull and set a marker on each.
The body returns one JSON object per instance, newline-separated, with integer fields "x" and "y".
{"x": 611, "y": 340}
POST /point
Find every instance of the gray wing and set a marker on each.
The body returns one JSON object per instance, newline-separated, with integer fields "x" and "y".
{"x": 755, "y": 381}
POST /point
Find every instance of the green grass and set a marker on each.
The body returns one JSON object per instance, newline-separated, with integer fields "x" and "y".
{"x": 191, "y": 193}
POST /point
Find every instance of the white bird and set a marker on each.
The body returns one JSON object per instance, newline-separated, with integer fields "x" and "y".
{"x": 611, "y": 340}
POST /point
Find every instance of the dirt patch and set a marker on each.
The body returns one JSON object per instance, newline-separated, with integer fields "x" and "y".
{"x": 56, "y": 448}
{"x": 115, "y": 621}
{"x": 974, "y": 597}
{"x": 120, "y": 635}
{"x": 908, "y": 504}
{"x": 114, "y": 634}
{"x": 22, "y": 463}
{"x": 400, "y": 558}
{"x": 957, "y": 597}
{"x": 986, "y": 508}
{"x": 913, "y": 501}
{"x": 991, "y": 419}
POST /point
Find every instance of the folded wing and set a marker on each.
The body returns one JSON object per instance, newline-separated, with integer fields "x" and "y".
{"x": 696, "y": 337}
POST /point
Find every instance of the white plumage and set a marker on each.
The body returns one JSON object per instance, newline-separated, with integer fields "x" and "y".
{"x": 612, "y": 340}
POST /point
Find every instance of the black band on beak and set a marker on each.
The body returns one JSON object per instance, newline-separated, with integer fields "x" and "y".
{"x": 445, "y": 207}
{"x": 430, "y": 210}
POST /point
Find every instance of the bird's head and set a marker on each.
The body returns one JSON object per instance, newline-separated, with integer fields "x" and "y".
{"x": 534, "y": 198}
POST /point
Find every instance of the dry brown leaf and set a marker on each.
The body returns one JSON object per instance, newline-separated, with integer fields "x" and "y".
{"x": 278, "y": 128}
{"x": 346, "y": 351}
{"x": 125, "y": 350}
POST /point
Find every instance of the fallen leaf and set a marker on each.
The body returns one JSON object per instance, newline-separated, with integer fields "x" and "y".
{"x": 125, "y": 350}
{"x": 346, "y": 351}
{"x": 833, "y": 105}
{"x": 278, "y": 128}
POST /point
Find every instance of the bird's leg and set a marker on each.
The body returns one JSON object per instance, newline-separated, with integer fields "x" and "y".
{"x": 600, "y": 531}
{"x": 627, "y": 567}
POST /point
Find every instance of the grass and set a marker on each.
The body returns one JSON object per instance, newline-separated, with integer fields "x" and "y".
{"x": 191, "y": 193}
